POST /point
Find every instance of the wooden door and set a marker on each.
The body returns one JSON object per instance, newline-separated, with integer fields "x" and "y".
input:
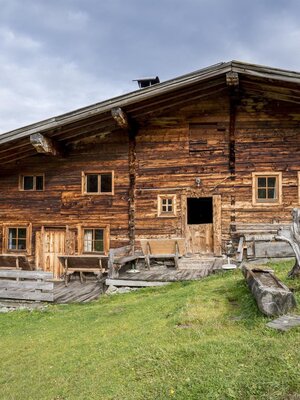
{"x": 203, "y": 225}
{"x": 49, "y": 244}
{"x": 200, "y": 238}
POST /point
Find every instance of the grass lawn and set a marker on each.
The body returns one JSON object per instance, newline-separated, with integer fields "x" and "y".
{"x": 196, "y": 340}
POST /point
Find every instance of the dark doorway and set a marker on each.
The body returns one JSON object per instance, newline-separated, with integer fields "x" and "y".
{"x": 199, "y": 211}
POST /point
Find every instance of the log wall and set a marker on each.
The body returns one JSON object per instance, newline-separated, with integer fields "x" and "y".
{"x": 171, "y": 151}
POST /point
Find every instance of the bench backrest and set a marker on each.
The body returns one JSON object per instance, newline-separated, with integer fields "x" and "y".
{"x": 120, "y": 251}
{"x": 10, "y": 261}
{"x": 163, "y": 246}
{"x": 81, "y": 262}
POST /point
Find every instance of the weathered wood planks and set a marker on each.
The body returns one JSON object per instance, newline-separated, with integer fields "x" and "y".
{"x": 206, "y": 131}
{"x": 26, "y": 285}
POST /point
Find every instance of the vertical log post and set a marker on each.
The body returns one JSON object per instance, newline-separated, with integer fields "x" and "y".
{"x": 232, "y": 80}
{"x": 124, "y": 122}
{"x": 132, "y": 186}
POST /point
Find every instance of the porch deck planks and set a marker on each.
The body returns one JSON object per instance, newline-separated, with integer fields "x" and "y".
{"x": 166, "y": 275}
{"x": 77, "y": 292}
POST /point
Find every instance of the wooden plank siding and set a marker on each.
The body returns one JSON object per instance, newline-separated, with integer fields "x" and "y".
{"x": 217, "y": 137}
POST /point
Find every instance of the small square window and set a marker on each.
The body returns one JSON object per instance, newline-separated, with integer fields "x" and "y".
{"x": 32, "y": 182}
{"x": 98, "y": 183}
{"x": 266, "y": 188}
{"x": 166, "y": 205}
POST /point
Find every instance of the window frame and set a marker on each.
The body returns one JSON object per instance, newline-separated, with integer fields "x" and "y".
{"x": 166, "y": 214}
{"x": 106, "y": 233}
{"x": 84, "y": 175}
{"x": 278, "y": 186}
{"x": 5, "y": 241}
{"x": 21, "y": 182}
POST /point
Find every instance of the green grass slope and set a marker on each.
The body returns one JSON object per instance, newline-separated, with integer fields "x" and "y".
{"x": 198, "y": 340}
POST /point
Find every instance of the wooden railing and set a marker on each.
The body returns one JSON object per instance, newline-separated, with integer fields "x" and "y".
{"x": 26, "y": 285}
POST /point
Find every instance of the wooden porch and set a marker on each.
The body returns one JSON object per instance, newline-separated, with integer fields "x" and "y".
{"x": 20, "y": 285}
{"x": 189, "y": 269}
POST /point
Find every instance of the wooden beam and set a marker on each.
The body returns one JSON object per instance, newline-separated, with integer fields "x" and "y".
{"x": 45, "y": 145}
{"x": 120, "y": 117}
{"x": 132, "y": 185}
{"x": 232, "y": 78}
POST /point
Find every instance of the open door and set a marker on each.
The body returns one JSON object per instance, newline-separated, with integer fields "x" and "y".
{"x": 203, "y": 225}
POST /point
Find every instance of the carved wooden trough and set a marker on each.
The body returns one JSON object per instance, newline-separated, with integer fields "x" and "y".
{"x": 271, "y": 295}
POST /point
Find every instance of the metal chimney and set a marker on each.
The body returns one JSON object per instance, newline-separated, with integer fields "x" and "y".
{"x": 146, "y": 82}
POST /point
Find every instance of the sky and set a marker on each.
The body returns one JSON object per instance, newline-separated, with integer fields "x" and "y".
{"x": 60, "y": 55}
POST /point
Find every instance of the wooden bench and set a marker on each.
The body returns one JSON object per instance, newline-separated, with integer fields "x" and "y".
{"x": 12, "y": 261}
{"x": 163, "y": 249}
{"x": 81, "y": 264}
{"x": 119, "y": 257}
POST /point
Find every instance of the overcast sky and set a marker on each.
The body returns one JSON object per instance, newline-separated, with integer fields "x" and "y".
{"x": 59, "y": 55}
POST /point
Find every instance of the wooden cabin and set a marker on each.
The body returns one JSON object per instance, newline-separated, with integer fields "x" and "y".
{"x": 210, "y": 156}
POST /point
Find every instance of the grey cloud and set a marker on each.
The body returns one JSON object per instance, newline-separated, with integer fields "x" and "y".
{"x": 61, "y": 54}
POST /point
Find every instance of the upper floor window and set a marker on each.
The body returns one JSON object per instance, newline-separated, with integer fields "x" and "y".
{"x": 97, "y": 183}
{"x": 166, "y": 205}
{"x": 32, "y": 182}
{"x": 267, "y": 188}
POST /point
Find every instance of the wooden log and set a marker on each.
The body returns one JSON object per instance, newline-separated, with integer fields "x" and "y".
{"x": 271, "y": 295}
{"x": 232, "y": 78}
{"x": 120, "y": 117}
{"x": 44, "y": 145}
{"x": 132, "y": 163}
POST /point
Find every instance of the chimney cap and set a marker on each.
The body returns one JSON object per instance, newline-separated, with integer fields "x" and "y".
{"x": 146, "y": 82}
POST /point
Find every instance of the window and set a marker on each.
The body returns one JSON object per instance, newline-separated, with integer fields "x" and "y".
{"x": 166, "y": 205}
{"x": 17, "y": 238}
{"x": 267, "y": 188}
{"x": 98, "y": 183}
{"x": 93, "y": 240}
{"x": 32, "y": 182}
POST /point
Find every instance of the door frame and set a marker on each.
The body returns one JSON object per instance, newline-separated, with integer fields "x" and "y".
{"x": 40, "y": 253}
{"x": 217, "y": 225}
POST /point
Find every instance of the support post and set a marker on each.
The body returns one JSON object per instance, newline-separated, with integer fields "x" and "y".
{"x": 232, "y": 80}
{"x": 124, "y": 122}
{"x": 132, "y": 186}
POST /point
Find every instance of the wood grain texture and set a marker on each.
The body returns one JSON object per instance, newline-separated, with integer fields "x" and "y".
{"x": 208, "y": 137}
